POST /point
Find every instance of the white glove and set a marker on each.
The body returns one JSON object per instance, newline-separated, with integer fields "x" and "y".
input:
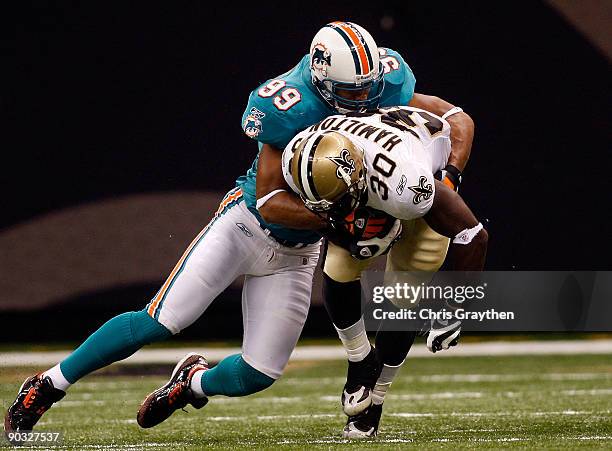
{"x": 377, "y": 246}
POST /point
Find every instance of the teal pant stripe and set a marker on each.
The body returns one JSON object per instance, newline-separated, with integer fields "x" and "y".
{"x": 182, "y": 267}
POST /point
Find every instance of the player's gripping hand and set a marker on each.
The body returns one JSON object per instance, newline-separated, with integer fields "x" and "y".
{"x": 365, "y": 232}
{"x": 376, "y": 246}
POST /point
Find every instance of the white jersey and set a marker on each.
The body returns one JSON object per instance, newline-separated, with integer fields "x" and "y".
{"x": 403, "y": 147}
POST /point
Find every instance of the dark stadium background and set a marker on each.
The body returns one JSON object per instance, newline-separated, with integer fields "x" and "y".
{"x": 116, "y": 99}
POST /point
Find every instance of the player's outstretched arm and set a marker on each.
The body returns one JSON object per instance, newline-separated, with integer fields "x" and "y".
{"x": 462, "y": 127}
{"x": 451, "y": 217}
{"x": 283, "y": 207}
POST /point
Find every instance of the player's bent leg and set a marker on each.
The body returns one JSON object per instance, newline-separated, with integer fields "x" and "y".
{"x": 342, "y": 301}
{"x": 209, "y": 265}
{"x": 342, "y": 298}
{"x": 421, "y": 253}
{"x": 418, "y": 254}
{"x": 275, "y": 303}
{"x": 392, "y": 348}
{"x": 274, "y": 308}
{"x": 219, "y": 253}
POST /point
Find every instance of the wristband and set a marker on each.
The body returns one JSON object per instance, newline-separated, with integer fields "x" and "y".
{"x": 453, "y": 174}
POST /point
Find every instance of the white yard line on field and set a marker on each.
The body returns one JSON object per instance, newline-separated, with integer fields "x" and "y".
{"x": 471, "y": 378}
{"x": 86, "y": 398}
{"x": 302, "y": 353}
{"x": 594, "y": 392}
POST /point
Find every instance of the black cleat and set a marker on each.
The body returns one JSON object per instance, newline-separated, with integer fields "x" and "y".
{"x": 360, "y": 380}
{"x": 35, "y": 397}
{"x": 364, "y": 425}
{"x": 176, "y": 394}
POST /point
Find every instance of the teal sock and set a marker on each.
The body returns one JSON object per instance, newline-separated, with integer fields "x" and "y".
{"x": 117, "y": 339}
{"x": 234, "y": 377}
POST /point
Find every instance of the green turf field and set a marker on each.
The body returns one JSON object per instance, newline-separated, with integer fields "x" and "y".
{"x": 533, "y": 402}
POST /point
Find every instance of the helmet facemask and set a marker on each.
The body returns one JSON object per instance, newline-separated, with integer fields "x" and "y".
{"x": 329, "y": 91}
{"x": 355, "y": 196}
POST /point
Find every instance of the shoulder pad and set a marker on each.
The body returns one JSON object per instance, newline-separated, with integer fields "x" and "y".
{"x": 277, "y": 111}
{"x": 399, "y": 79}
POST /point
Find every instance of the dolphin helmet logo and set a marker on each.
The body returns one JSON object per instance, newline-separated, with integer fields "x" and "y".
{"x": 320, "y": 59}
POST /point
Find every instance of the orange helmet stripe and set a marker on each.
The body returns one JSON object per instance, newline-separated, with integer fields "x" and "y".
{"x": 363, "y": 59}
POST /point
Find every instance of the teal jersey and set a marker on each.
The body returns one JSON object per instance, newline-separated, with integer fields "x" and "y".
{"x": 282, "y": 107}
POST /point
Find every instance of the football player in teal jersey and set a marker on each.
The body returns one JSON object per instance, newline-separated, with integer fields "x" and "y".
{"x": 344, "y": 72}
{"x": 265, "y": 233}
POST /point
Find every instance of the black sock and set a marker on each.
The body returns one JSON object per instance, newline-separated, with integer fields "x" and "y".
{"x": 342, "y": 301}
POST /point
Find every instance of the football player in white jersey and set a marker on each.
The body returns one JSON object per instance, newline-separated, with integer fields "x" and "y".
{"x": 383, "y": 160}
{"x": 260, "y": 230}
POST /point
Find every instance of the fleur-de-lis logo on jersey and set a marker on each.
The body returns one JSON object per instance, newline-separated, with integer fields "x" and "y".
{"x": 422, "y": 191}
{"x": 320, "y": 59}
{"x": 346, "y": 165}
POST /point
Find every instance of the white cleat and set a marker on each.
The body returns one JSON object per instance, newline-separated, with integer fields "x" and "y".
{"x": 364, "y": 425}
{"x": 443, "y": 336}
{"x": 356, "y": 402}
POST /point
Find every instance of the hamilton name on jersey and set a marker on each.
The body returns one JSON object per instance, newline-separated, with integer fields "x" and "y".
{"x": 385, "y": 138}
{"x": 403, "y": 147}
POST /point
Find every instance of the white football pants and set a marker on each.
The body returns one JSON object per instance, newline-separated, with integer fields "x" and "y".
{"x": 276, "y": 291}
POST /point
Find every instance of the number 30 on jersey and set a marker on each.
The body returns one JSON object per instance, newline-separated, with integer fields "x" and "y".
{"x": 287, "y": 97}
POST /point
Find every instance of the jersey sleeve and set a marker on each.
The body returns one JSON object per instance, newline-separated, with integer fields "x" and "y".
{"x": 399, "y": 78}
{"x": 287, "y": 157}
